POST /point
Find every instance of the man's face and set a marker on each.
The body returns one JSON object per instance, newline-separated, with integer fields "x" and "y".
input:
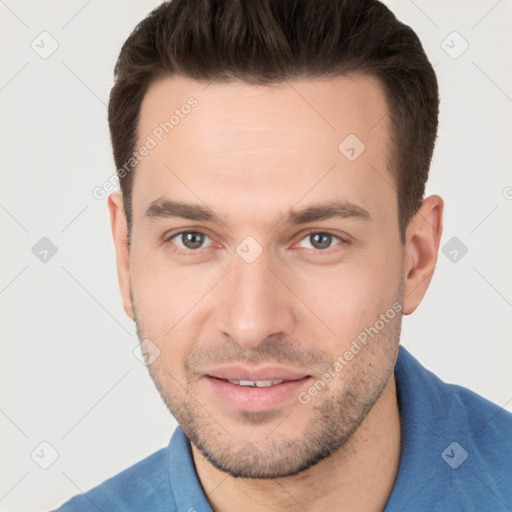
{"x": 263, "y": 286}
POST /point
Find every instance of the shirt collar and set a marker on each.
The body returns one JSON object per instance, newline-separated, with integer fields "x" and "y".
{"x": 430, "y": 420}
{"x": 188, "y": 493}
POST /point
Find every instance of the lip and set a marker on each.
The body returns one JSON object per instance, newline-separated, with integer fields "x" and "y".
{"x": 254, "y": 399}
{"x": 251, "y": 373}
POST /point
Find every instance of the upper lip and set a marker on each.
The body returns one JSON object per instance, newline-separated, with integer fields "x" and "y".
{"x": 255, "y": 373}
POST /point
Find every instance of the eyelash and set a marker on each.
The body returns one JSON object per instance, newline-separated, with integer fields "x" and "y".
{"x": 189, "y": 252}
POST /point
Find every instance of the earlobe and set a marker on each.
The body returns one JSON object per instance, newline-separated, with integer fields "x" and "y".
{"x": 120, "y": 235}
{"x": 423, "y": 237}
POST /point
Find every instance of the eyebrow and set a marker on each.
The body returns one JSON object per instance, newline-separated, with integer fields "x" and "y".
{"x": 165, "y": 208}
{"x": 325, "y": 211}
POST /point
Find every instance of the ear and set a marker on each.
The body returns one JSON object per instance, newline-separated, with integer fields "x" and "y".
{"x": 423, "y": 236}
{"x": 120, "y": 235}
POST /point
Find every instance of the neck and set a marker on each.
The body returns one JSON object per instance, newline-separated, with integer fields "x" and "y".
{"x": 358, "y": 477}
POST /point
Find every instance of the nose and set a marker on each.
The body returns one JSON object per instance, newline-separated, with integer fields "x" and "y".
{"x": 255, "y": 304}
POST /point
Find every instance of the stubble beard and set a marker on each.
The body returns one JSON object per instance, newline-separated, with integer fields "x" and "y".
{"x": 335, "y": 414}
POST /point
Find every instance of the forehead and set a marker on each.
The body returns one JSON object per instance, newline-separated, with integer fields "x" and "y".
{"x": 257, "y": 138}
{"x": 318, "y": 108}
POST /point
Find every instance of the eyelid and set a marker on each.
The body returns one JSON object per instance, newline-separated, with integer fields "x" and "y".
{"x": 180, "y": 231}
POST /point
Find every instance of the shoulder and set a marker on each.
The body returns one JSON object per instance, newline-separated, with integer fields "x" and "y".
{"x": 454, "y": 408}
{"x": 143, "y": 486}
{"x": 488, "y": 427}
{"x": 477, "y": 461}
{"x": 457, "y": 445}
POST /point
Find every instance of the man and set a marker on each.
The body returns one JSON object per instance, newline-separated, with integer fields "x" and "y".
{"x": 270, "y": 235}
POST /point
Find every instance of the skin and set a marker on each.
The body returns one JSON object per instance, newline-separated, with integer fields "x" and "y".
{"x": 251, "y": 154}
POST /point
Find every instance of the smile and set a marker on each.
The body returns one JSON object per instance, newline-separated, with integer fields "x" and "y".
{"x": 256, "y": 383}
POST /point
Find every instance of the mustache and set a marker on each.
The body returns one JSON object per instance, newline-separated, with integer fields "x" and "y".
{"x": 274, "y": 349}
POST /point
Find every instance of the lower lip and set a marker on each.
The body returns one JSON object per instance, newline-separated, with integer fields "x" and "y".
{"x": 252, "y": 399}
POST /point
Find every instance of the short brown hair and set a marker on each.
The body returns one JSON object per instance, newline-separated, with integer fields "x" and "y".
{"x": 270, "y": 41}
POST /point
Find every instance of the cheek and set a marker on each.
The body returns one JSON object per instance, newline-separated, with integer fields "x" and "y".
{"x": 348, "y": 298}
{"x": 164, "y": 288}
{"x": 170, "y": 302}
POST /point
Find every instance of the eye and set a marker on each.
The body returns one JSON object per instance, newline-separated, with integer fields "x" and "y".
{"x": 319, "y": 240}
{"x": 190, "y": 240}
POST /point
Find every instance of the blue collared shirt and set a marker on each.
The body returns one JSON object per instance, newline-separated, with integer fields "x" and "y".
{"x": 456, "y": 456}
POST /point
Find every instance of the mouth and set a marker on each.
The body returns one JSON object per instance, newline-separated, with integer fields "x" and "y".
{"x": 255, "y": 390}
{"x": 257, "y": 383}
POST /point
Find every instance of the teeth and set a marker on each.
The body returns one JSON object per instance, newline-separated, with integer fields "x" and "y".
{"x": 256, "y": 383}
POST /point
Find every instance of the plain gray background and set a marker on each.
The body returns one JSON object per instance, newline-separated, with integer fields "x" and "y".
{"x": 69, "y": 374}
